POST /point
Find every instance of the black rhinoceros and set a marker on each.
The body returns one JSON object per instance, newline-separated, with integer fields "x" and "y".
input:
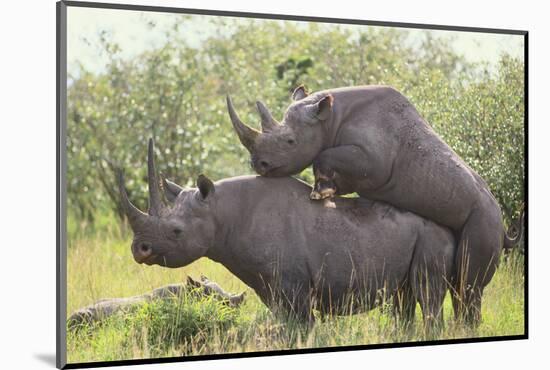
{"x": 371, "y": 140}
{"x": 294, "y": 253}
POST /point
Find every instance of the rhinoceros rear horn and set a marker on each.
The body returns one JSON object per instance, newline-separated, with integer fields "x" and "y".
{"x": 247, "y": 135}
{"x": 134, "y": 215}
{"x": 193, "y": 283}
{"x": 268, "y": 122}
{"x": 155, "y": 197}
{"x": 171, "y": 190}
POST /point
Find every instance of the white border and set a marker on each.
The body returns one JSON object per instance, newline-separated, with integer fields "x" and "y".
{"x": 28, "y": 182}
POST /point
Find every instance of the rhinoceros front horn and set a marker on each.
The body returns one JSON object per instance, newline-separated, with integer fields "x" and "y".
{"x": 268, "y": 122}
{"x": 155, "y": 198}
{"x": 135, "y": 216}
{"x": 247, "y": 135}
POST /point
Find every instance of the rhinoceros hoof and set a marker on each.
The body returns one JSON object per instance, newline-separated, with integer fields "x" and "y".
{"x": 315, "y": 195}
{"x": 327, "y": 193}
{"x": 324, "y": 193}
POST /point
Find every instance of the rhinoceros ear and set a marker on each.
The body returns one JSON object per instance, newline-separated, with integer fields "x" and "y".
{"x": 322, "y": 109}
{"x": 299, "y": 93}
{"x": 236, "y": 300}
{"x": 192, "y": 282}
{"x": 206, "y": 186}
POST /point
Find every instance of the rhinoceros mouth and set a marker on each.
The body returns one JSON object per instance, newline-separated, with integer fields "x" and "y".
{"x": 150, "y": 260}
{"x": 272, "y": 172}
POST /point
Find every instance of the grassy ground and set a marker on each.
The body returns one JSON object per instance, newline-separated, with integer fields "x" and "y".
{"x": 101, "y": 266}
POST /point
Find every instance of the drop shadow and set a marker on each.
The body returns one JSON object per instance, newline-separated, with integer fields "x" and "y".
{"x": 47, "y": 358}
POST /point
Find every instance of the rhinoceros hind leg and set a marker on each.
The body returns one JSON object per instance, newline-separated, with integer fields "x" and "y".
{"x": 430, "y": 287}
{"x": 477, "y": 258}
{"x": 467, "y": 306}
{"x": 404, "y": 306}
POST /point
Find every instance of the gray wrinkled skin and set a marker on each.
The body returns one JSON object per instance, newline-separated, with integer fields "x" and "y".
{"x": 371, "y": 140}
{"x": 297, "y": 254}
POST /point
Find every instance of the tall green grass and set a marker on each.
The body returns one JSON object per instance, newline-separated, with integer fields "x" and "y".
{"x": 100, "y": 265}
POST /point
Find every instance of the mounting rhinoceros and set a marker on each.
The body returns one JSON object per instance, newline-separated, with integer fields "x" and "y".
{"x": 371, "y": 140}
{"x": 296, "y": 254}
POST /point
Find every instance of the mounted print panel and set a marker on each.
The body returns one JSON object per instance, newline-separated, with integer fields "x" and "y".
{"x": 235, "y": 184}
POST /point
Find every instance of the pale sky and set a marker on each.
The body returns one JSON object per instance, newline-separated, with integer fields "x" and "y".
{"x": 129, "y": 29}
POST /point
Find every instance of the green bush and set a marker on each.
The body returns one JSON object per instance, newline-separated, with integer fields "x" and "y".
{"x": 483, "y": 121}
{"x": 182, "y": 320}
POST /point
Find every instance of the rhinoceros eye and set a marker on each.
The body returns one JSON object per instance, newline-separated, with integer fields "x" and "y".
{"x": 291, "y": 141}
{"x": 177, "y": 232}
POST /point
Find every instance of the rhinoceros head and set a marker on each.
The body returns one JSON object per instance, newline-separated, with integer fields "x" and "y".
{"x": 285, "y": 148}
{"x": 178, "y": 227}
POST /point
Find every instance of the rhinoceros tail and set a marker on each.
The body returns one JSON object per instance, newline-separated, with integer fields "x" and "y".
{"x": 516, "y": 229}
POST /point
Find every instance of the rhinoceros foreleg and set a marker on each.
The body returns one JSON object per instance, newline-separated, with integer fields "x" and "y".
{"x": 338, "y": 170}
{"x": 324, "y": 187}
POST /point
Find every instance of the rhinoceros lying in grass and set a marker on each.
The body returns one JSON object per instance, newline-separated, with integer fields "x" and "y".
{"x": 105, "y": 308}
{"x": 297, "y": 254}
{"x": 371, "y": 140}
